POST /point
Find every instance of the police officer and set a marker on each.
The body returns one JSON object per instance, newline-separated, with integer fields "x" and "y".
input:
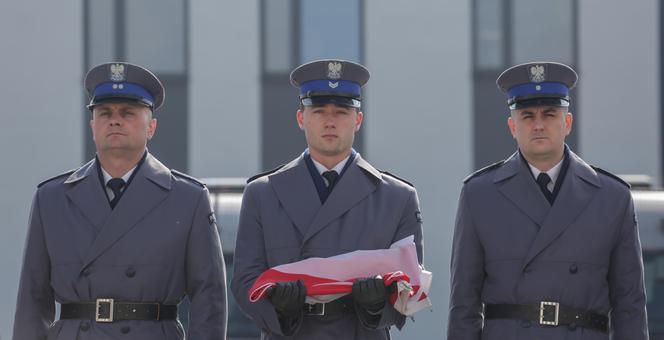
{"x": 545, "y": 245}
{"x": 121, "y": 240}
{"x": 326, "y": 202}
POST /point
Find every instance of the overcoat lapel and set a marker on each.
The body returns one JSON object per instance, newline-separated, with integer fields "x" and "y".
{"x": 297, "y": 193}
{"x": 577, "y": 190}
{"x": 515, "y": 182}
{"x": 355, "y": 185}
{"x": 150, "y": 186}
{"x": 86, "y": 192}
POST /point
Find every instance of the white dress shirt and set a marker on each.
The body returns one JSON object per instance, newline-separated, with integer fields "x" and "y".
{"x": 107, "y": 177}
{"x": 321, "y": 168}
{"x": 553, "y": 173}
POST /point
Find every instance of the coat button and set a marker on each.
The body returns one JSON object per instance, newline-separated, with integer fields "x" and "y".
{"x": 130, "y": 272}
{"x": 125, "y": 330}
{"x": 87, "y": 272}
{"x": 84, "y": 326}
{"x": 573, "y": 268}
{"x": 528, "y": 269}
{"x": 525, "y": 324}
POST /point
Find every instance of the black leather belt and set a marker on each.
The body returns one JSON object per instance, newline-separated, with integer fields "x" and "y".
{"x": 549, "y": 314}
{"x": 335, "y": 307}
{"x": 107, "y": 310}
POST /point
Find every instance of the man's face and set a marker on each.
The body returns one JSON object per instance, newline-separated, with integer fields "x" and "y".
{"x": 329, "y": 129}
{"x": 540, "y": 131}
{"x": 122, "y": 127}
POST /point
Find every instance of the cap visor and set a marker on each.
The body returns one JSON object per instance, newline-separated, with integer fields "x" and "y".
{"x": 539, "y": 102}
{"x": 323, "y": 100}
{"x": 119, "y": 99}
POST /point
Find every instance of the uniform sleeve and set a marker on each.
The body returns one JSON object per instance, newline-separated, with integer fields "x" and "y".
{"x": 250, "y": 261}
{"x": 467, "y": 277}
{"x": 626, "y": 284}
{"x": 35, "y": 305}
{"x": 206, "y": 276}
{"x": 409, "y": 224}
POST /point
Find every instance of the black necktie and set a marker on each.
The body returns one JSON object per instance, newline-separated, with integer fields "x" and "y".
{"x": 331, "y": 177}
{"x": 116, "y": 185}
{"x": 543, "y": 180}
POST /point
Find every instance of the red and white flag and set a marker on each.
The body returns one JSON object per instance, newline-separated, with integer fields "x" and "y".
{"x": 328, "y": 279}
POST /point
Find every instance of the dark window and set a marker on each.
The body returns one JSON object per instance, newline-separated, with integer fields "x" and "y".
{"x": 490, "y": 42}
{"x": 330, "y": 29}
{"x": 542, "y": 30}
{"x": 278, "y": 21}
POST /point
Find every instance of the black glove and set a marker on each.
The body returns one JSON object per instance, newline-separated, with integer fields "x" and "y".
{"x": 288, "y": 298}
{"x": 370, "y": 294}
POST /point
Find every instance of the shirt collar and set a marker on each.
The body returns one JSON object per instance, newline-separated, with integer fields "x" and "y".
{"x": 107, "y": 176}
{"x": 338, "y": 168}
{"x": 553, "y": 172}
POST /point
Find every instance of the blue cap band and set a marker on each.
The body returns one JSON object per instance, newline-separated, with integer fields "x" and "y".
{"x": 527, "y": 89}
{"x": 326, "y": 86}
{"x": 128, "y": 90}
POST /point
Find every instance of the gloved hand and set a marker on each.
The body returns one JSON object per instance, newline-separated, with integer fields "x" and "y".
{"x": 370, "y": 294}
{"x": 288, "y": 297}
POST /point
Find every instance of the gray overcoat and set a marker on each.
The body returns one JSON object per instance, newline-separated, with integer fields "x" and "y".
{"x": 282, "y": 220}
{"x": 512, "y": 247}
{"x": 159, "y": 244}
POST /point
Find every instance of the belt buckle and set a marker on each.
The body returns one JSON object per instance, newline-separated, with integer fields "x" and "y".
{"x": 548, "y": 322}
{"x": 310, "y": 309}
{"x": 101, "y": 302}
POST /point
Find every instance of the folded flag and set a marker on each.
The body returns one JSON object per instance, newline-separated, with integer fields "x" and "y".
{"x": 328, "y": 279}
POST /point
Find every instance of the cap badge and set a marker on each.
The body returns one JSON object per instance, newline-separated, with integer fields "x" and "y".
{"x": 118, "y": 72}
{"x": 537, "y": 74}
{"x": 334, "y": 70}
{"x": 333, "y": 85}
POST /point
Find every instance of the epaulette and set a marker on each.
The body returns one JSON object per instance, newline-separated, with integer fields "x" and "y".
{"x": 600, "y": 170}
{"x": 397, "y": 177}
{"x": 185, "y": 176}
{"x": 56, "y": 177}
{"x": 252, "y": 178}
{"x": 483, "y": 170}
